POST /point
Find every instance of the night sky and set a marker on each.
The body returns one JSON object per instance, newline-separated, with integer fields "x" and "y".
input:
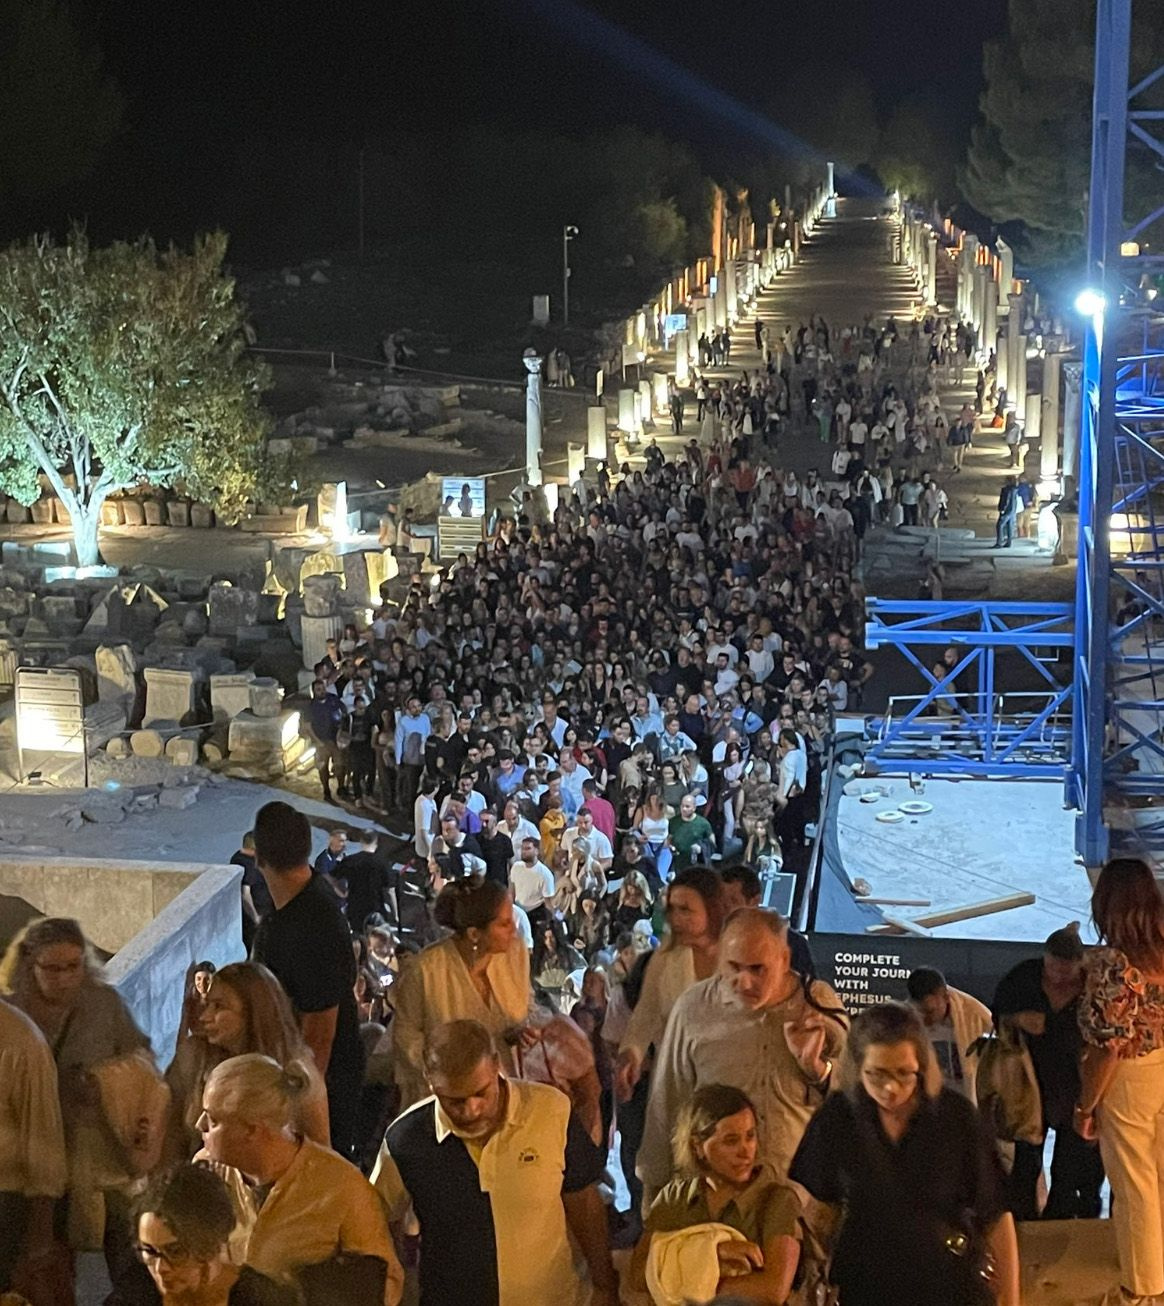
{"x": 203, "y": 75}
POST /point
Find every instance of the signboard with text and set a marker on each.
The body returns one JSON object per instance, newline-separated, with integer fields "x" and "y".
{"x": 869, "y": 968}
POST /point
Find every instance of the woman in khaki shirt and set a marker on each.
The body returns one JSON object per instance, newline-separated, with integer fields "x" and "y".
{"x": 480, "y": 973}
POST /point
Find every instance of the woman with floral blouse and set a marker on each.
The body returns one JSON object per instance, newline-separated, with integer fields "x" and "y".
{"x": 1121, "y": 1015}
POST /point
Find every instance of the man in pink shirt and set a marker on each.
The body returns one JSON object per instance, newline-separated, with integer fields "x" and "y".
{"x": 601, "y": 810}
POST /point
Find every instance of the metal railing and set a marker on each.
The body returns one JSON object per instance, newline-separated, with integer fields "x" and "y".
{"x": 1022, "y": 727}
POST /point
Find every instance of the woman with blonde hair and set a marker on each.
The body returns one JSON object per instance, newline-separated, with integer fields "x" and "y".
{"x": 245, "y": 1010}
{"x": 49, "y": 972}
{"x": 320, "y": 1225}
{"x": 717, "y": 1181}
{"x": 910, "y": 1229}
{"x": 1121, "y": 1016}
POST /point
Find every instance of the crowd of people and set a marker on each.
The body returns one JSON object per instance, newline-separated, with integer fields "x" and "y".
{"x": 344, "y": 1108}
{"x": 607, "y": 727}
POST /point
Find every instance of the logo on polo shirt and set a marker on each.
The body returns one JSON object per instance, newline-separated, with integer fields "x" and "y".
{"x": 528, "y": 1157}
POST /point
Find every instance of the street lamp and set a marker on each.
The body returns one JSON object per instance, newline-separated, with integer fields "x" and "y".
{"x": 568, "y": 233}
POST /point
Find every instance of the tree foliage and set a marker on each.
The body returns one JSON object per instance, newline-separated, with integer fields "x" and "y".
{"x": 124, "y": 365}
{"x": 59, "y": 109}
{"x": 1030, "y": 155}
{"x": 916, "y": 154}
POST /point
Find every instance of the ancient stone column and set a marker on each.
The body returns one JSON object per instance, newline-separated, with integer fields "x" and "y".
{"x": 932, "y": 268}
{"x": 1049, "y": 402}
{"x": 988, "y": 336}
{"x": 1015, "y": 327}
{"x": 533, "y": 417}
{"x": 682, "y": 359}
{"x": 1072, "y": 417}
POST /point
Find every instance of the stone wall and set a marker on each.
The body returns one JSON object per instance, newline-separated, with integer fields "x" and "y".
{"x": 202, "y": 923}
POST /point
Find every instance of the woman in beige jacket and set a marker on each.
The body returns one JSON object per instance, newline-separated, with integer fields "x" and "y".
{"x": 480, "y": 973}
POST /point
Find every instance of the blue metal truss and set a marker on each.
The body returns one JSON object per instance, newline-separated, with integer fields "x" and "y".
{"x": 984, "y": 730}
{"x": 1118, "y": 752}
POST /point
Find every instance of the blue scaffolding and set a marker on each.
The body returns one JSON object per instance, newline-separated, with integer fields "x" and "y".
{"x": 1104, "y": 733}
{"x": 966, "y": 723}
{"x": 1118, "y": 747}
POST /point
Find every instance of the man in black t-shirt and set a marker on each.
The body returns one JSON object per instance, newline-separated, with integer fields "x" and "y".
{"x": 371, "y": 883}
{"x": 306, "y": 943}
{"x": 256, "y": 897}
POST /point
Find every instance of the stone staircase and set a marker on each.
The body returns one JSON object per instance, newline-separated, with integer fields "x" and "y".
{"x": 896, "y": 562}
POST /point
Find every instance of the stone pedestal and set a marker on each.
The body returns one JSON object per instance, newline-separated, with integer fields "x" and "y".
{"x": 316, "y": 631}
{"x": 266, "y": 743}
{"x": 596, "y": 432}
{"x": 231, "y": 608}
{"x": 169, "y": 694}
{"x": 626, "y": 411}
{"x": 230, "y": 694}
{"x": 266, "y": 697}
{"x": 116, "y": 667}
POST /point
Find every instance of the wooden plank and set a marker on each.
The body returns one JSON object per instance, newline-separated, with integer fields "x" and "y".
{"x": 1008, "y": 902}
{"x": 900, "y": 923}
{"x": 924, "y": 924}
{"x": 896, "y": 902}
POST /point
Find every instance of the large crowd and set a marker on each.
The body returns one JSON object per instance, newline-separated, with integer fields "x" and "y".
{"x": 565, "y": 1050}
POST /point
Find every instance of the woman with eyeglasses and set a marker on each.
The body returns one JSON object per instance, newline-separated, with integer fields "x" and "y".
{"x": 49, "y": 972}
{"x": 184, "y": 1221}
{"x": 913, "y": 1169}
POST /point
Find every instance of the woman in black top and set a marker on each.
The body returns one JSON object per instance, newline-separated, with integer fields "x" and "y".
{"x": 917, "y": 1173}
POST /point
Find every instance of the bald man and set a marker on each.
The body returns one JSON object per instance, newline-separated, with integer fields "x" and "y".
{"x": 754, "y": 1025}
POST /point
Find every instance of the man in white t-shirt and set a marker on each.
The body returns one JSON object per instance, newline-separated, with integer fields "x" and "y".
{"x": 532, "y": 881}
{"x": 858, "y": 431}
{"x": 600, "y": 848}
{"x": 760, "y": 660}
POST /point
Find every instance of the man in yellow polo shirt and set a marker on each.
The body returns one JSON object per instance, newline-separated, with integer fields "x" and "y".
{"x": 496, "y": 1170}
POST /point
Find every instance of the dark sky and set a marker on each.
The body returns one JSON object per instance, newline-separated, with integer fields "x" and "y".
{"x": 349, "y": 65}
{"x": 202, "y": 76}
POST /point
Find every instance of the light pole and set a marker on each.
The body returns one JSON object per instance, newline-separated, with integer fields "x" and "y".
{"x": 569, "y": 231}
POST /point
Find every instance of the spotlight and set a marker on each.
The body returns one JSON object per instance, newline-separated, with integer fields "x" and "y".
{"x": 1090, "y": 302}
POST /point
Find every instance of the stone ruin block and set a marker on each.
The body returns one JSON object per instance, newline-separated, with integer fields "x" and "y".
{"x": 231, "y": 608}
{"x": 321, "y": 594}
{"x": 169, "y": 694}
{"x": 266, "y": 743}
{"x": 266, "y": 697}
{"x": 316, "y": 631}
{"x": 230, "y": 694}
{"x": 116, "y": 673}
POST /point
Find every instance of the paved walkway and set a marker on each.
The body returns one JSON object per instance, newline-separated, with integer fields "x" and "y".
{"x": 845, "y": 273}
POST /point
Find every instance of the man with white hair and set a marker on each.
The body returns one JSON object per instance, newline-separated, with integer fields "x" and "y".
{"x": 755, "y": 1025}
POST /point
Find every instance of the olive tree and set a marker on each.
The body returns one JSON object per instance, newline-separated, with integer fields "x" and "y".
{"x": 121, "y": 366}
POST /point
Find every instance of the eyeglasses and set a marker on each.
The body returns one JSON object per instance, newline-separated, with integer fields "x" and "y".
{"x": 883, "y": 1078}
{"x": 174, "y": 1255}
